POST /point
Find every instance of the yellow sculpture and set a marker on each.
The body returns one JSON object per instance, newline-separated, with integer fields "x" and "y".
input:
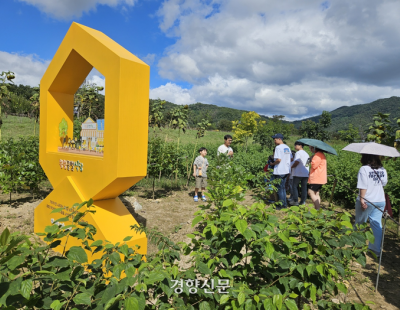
{"x": 125, "y": 155}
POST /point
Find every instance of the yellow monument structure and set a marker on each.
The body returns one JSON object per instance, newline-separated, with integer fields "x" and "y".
{"x": 76, "y": 177}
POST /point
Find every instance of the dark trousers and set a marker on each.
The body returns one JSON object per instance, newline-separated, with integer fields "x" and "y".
{"x": 303, "y": 182}
{"x": 281, "y": 188}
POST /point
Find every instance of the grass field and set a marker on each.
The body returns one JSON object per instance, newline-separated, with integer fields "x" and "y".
{"x": 15, "y": 126}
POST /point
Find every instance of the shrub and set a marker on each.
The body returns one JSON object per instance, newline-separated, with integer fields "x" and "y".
{"x": 19, "y": 162}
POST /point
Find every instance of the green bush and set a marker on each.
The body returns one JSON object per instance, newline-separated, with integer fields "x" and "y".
{"x": 269, "y": 263}
{"x": 19, "y": 162}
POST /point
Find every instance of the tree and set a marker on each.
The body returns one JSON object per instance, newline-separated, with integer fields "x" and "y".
{"x": 381, "y": 130}
{"x": 35, "y": 107}
{"x": 267, "y": 129}
{"x": 5, "y": 80}
{"x": 88, "y": 97}
{"x": 63, "y": 130}
{"x": 350, "y": 134}
{"x": 246, "y": 127}
{"x": 224, "y": 125}
{"x": 156, "y": 115}
{"x": 312, "y": 130}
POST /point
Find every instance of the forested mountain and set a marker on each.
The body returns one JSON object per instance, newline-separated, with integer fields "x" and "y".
{"x": 221, "y": 117}
{"x": 360, "y": 114}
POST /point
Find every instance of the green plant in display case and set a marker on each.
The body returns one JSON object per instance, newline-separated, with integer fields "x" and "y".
{"x": 63, "y": 130}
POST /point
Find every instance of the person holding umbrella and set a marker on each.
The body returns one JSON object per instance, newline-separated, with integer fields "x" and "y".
{"x": 371, "y": 179}
{"x": 318, "y": 172}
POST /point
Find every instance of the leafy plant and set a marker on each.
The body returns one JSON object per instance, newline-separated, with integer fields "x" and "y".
{"x": 246, "y": 127}
{"x": 290, "y": 263}
{"x": 6, "y": 77}
{"x": 19, "y": 165}
{"x": 156, "y": 115}
{"x": 381, "y": 130}
{"x": 349, "y": 135}
{"x": 35, "y": 107}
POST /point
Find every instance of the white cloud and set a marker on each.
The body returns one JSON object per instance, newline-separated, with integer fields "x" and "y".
{"x": 149, "y": 59}
{"x": 294, "y": 57}
{"x": 173, "y": 93}
{"x": 28, "y": 69}
{"x": 67, "y": 9}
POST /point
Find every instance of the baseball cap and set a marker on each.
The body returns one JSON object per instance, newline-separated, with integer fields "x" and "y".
{"x": 278, "y": 136}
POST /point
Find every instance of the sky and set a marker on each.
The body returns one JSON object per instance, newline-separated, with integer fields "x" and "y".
{"x": 294, "y": 57}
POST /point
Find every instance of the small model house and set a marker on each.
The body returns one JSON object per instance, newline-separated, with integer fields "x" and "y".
{"x": 92, "y": 134}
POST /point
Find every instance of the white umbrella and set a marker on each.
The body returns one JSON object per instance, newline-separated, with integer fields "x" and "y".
{"x": 372, "y": 148}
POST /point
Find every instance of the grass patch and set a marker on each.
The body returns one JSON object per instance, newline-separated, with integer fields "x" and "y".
{"x": 15, "y": 126}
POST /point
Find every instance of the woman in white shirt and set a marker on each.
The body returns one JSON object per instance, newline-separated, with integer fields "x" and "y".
{"x": 372, "y": 177}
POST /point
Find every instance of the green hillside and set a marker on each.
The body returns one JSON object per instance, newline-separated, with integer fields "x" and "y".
{"x": 360, "y": 114}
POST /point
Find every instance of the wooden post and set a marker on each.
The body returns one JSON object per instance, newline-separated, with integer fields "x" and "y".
{"x": 333, "y": 190}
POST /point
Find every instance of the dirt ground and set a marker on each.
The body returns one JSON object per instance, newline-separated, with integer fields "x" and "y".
{"x": 173, "y": 213}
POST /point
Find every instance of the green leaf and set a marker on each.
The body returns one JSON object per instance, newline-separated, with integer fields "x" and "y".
{"x": 269, "y": 249}
{"x": 57, "y": 305}
{"x": 196, "y": 220}
{"x": 341, "y": 287}
{"x": 214, "y": 229}
{"x": 203, "y": 268}
{"x": 268, "y": 304}
{"x": 131, "y": 304}
{"x": 291, "y": 304}
{"x": 96, "y": 243}
{"x": 112, "y": 301}
{"x": 127, "y": 238}
{"x": 370, "y": 237}
{"x": 63, "y": 219}
{"x": 57, "y": 210}
{"x": 241, "y": 298}
{"x": 204, "y": 306}
{"x": 83, "y": 299}
{"x": 223, "y": 299}
{"x": 26, "y": 288}
{"x": 313, "y": 292}
{"x": 77, "y": 254}
{"x": 277, "y": 301}
{"x": 241, "y": 225}
{"x": 347, "y": 224}
{"x": 51, "y": 229}
{"x": 227, "y": 203}
{"x": 175, "y": 271}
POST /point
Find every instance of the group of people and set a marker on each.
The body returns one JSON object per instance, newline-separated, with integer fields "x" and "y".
{"x": 296, "y": 166}
{"x": 311, "y": 174}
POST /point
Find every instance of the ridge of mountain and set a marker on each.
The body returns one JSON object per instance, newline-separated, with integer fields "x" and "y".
{"x": 360, "y": 115}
